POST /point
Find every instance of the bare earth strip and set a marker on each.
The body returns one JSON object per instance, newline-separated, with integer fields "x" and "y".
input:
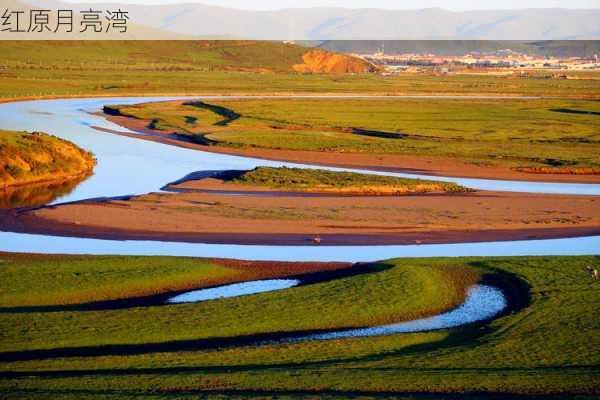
{"x": 208, "y": 216}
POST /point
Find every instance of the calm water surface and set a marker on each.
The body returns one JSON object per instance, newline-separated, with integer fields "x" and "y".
{"x": 20, "y": 242}
{"x": 234, "y": 290}
{"x": 483, "y": 302}
{"x": 128, "y": 166}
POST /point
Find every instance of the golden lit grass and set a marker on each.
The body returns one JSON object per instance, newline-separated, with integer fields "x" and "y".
{"x": 551, "y": 134}
{"x": 319, "y": 180}
{"x": 33, "y": 157}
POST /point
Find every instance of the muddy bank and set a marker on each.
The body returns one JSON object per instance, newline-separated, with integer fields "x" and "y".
{"x": 379, "y": 162}
{"x": 282, "y": 219}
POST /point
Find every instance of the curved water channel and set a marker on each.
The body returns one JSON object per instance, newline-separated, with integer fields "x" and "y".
{"x": 482, "y": 302}
{"x": 234, "y": 290}
{"x": 128, "y": 166}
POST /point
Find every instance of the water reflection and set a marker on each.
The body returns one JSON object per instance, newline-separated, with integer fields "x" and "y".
{"x": 37, "y": 194}
{"x": 234, "y": 290}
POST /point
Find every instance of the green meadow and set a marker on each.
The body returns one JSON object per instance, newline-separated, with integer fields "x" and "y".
{"x": 518, "y": 133}
{"x": 400, "y": 298}
{"x": 302, "y": 179}
{"x": 546, "y": 344}
{"x": 117, "y": 68}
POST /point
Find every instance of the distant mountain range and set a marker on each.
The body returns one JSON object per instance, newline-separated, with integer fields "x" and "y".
{"x": 194, "y": 19}
{"x": 134, "y": 30}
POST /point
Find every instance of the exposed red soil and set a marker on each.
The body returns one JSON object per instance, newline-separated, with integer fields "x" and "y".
{"x": 271, "y": 269}
{"x": 325, "y": 62}
{"x": 560, "y": 170}
{"x": 258, "y": 269}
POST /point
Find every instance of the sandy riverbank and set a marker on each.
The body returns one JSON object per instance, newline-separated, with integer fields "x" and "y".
{"x": 255, "y": 217}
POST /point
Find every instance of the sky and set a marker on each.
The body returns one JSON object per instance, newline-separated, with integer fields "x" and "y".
{"x": 455, "y": 5}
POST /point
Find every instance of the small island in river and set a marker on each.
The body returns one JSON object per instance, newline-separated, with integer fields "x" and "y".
{"x": 35, "y": 167}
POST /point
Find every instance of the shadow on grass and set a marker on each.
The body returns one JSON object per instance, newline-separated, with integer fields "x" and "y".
{"x": 228, "y": 115}
{"x": 518, "y": 296}
{"x": 249, "y": 394}
{"x": 161, "y": 299}
{"x": 572, "y": 111}
{"x": 162, "y": 347}
{"x": 516, "y": 292}
{"x": 379, "y": 134}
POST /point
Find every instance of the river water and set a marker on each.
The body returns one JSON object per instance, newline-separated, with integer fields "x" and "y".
{"x": 482, "y": 302}
{"x": 128, "y": 166}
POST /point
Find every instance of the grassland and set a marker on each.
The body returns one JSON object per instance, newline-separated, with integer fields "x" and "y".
{"x": 51, "y": 282}
{"x": 533, "y": 134}
{"x": 384, "y": 296}
{"x": 35, "y": 157}
{"x": 547, "y": 345}
{"x": 113, "y": 68}
{"x": 319, "y": 180}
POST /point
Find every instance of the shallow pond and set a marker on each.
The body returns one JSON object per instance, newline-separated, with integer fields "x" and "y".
{"x": 234, "y": 290}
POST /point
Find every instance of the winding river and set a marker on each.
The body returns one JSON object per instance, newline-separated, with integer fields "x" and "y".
{"x": 127, "y": 166}
{"x": 482, "y": 302}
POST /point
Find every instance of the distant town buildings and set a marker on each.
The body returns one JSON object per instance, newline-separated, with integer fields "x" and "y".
{"x": 502, "y": 59}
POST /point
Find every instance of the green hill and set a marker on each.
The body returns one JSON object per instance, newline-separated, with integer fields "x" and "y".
{"x": 56, "y": 345}
{"x": 110, "y": 68}
{"x": 180, "y": 55}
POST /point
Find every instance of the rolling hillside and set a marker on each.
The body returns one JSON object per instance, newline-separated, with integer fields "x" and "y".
{"x": 180, "y": 55}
